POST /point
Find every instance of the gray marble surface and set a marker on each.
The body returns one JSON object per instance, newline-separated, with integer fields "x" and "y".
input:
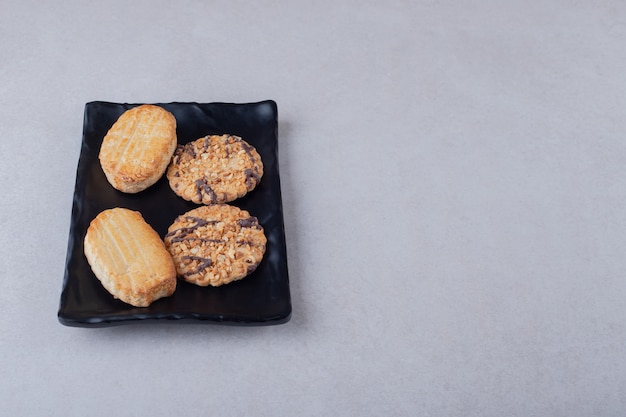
{"x": 454, "y": 186}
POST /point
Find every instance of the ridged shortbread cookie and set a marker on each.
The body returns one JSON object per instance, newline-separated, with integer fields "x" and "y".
{"x": 215, "y": 244}
{"x": 138, "y": 148}
{"x": 215, "y": 169}
{"x": 129, "y": 258}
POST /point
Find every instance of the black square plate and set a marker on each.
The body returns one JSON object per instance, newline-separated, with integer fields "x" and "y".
{"x": 261, "y": 298}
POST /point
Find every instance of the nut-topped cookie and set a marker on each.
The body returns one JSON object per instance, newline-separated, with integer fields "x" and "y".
{"x": 215, "y": 244}
{"x": 215, "y": 169}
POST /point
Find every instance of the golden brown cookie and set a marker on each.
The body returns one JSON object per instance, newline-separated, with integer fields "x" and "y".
{"x": 129, "y": 258}
{"x": 215, "y": 244}
{"x": 138, "y": 148}
{"x": 215, "y": 169}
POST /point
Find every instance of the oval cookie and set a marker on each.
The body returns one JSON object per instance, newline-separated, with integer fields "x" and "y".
{"x": 215, "y": 169}
{"x": 215, "y": 244}
{"x": 138, "y": 148}
{"x": 129, "y": 258}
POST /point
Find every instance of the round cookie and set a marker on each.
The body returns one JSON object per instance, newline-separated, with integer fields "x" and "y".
{"x": 215, "y": 169}
{"x": 215, "y": 244}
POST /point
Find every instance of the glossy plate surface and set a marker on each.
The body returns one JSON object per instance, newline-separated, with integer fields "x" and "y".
{"x": 262, "y": 298}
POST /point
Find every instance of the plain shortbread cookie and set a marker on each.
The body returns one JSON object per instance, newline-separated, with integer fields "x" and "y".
{"x": 129, "y": 258}
{"x": 138, "y": 148}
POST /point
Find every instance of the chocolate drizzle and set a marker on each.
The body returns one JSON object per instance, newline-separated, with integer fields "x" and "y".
{"x": 179, "y": 150}
{"x": 252, "y": 178}
{"x": 204, "y": 263}
{"x": 190, "y": 149}
{"x": 186, "y": 238}
{"x": 248, "y": 149}
{"x": 179, "y": 235}
{"x": 227, "y": 144}
{"x": 252, "y": 267}
{"x": 252, "y": 175}
{"x": 249, "y": 222}
{"x": 202, "y": 185}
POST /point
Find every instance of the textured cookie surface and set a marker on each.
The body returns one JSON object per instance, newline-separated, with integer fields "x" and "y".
{"x": 138, "y": 148}
{"x": 215, "y": 169}
{"x": 129, "y": 258}
{"x": 215, "y": 244}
